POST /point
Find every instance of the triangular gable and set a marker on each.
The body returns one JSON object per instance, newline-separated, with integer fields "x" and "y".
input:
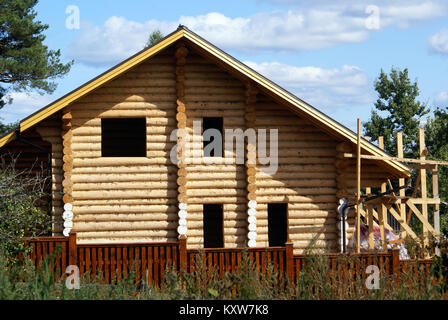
{"x": 237, "y": 66}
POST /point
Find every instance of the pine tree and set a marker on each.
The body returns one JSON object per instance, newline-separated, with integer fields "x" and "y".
{"x": 396, "y": 110}
{"x": 154, "y": 37}
{"x": 25, "y": 62}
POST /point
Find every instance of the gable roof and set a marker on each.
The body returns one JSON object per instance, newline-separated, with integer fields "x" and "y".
{"x": 237, "y": 66}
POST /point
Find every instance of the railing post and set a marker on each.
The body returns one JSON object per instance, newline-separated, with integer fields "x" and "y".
{"x": 289, "y": 252}
{"x": 396, "y": 268}
{"x": 183, "y": 253}
{"x": 72, "y": 250}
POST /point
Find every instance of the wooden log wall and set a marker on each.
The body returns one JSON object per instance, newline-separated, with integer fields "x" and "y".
{"x": 51, "y": 131}
{"x": 127, "y": 199}
{"x": 211, "y": 92}
{"x": 306, "y": 178}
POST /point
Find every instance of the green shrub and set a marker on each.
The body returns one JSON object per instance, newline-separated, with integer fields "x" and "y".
{"x": 21, "y": 195}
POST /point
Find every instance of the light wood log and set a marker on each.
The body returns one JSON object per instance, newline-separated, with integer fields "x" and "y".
{"x": 117, "y": 194}
{"x": 111, "y": 234}
{"x": 127, "y": 217}
{"x": 124, "y": 201}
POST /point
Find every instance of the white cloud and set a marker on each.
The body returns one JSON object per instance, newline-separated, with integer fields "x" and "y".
{"x": 311, "y": 27}
{"x": 439, "y": 42}
{"x": 23, "y": 104}
{"x": 441, "y": 99}
{"x": 338, "y": 87}
{"x": 119, "y": 38}
{"x": 116, "y": 40}
{"x": 401, "y": 13}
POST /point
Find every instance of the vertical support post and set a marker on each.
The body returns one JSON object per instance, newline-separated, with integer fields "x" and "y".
{"x": 250, "y": 163}
{"x": 383, "y": 210}
{"x": 289, "y": 252}
{"x": 72, "y": 250}
{"x": 395, "y": 268}
{"x": 435, "y": 192}
{"x": 67, "y": 184}
{"x": 423, "y": 186}
{"x": 358, "y": 190}
{"x": 401, "y": 182}
{"x": 181, "y": 119}
{"x": 183, "y": 253}
{"x": 369, "y": 213}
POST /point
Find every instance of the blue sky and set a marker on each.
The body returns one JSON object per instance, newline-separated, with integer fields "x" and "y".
{"x": 328, "y": 53}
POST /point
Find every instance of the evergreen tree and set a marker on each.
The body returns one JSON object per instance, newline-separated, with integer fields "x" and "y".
{"x": 154, "y": 37}
{"x": 396, "y": 110}
{"x": 25, "y": 62}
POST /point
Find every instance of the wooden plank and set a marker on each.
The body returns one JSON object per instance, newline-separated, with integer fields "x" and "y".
{"x": 137, "y": 262}
{"x": 113, "y": 264}
{"x": 107, "y": 266}
{"x": 422, "y": 218}
{"x": 408, "y": 229}
{"x": 150, "y": 263}
{"x": 169, "y": 257}
{"x": 435, "y": 194}
{"x": 369, "y": 214}
{"x": 414, "y": 194}
{"x": 401, "y": 181}
{"x": 369, "y": 157}
{"x": 358, "y": 190}
{"x": 162, "y": 255}
{"x": 119, "y": 262}
{"x": 131, "y": 258}
{"x": 423, "y": 186}
{"x": 125, "y": 261}
{"x": 88, "y": 263}
{"x": 383, "y": 210}
{"x": 144, "y": 264}
{"x": 156, "y": 259}
{"x": 81, "y": 262}
{"x": 221, "y": 264}
{"x": 94, "y": 262}
{"x": 64, "y": 259}
{"x": 38, "y": 252}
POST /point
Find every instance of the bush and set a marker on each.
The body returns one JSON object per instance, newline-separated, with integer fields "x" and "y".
{"x": 21, "y": 195}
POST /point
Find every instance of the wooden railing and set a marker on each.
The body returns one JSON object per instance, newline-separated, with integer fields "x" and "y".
{"x": 43, "y": 247}
{"x": 148, "y": 261}
{"x": 350, "y": 265}
{"x": 229, "y": 260}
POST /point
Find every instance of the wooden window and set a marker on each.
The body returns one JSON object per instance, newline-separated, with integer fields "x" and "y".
{"x": 123, "y": 137}
{"x": 213, "y": 148}
{"x": 213, "y": 226}
{"x": 277, "y": 224}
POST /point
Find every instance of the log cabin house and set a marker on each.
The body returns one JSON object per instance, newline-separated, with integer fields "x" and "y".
{"x": 109, "y": 141}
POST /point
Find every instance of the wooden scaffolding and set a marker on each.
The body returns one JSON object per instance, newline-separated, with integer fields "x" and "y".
{"x": 375, "y": 210}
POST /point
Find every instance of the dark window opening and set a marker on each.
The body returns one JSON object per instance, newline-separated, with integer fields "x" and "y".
{"x": 213, "y": 226}
{"x": 277, "y": 224}
{"x": 212, "y": 148}
{"x": 123, "y": 137}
